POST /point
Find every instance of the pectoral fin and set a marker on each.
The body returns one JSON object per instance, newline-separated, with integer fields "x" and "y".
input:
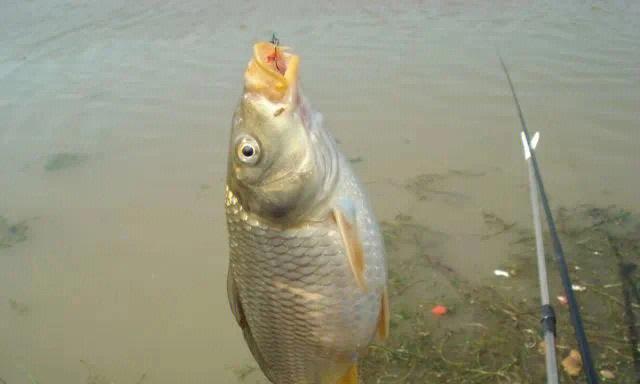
{"x": 345, "y": 220}
{"x": 382, "y": 331}
{"x": 351, "y": 377}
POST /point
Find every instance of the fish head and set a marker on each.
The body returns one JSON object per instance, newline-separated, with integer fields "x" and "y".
{"x": 280, "y": 165}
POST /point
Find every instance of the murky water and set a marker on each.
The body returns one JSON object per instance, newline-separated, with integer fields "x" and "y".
{"x": 113, "y": 131}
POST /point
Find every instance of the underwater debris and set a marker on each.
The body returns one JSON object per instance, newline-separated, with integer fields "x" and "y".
{"x": 572, "y": 364}
{"x": 142, "y": 378}
{"x": 28, "y": 374}
{"x": 431, "y": 185}
{"x": 501, "y": 273}
{"x": 578, "y": 288}
{"x": 12, "y": 234}
{"x": 244, "y": 371}
{"x": 439, "y": 310}
{"x": 96, "y": 377}
{"x": 497, "y": 225}
{"x": 607, "y": 374}
{"x": 64, "y": 160}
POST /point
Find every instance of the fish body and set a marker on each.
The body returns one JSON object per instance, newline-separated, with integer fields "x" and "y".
{"x": 307, "y": 271}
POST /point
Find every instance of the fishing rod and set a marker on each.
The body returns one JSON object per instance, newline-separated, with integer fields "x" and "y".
{"x": 548, "y": 315}
{"x": 574, "y": 310}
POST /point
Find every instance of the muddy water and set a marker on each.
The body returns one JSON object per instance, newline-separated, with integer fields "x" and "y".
{"x": 113, "y": 130}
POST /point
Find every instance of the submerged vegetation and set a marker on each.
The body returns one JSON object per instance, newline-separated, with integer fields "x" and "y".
{"x": 96, "y": 377}
{"x": 12, "y": 233}
{"x": 492, "y": 335}
{"x": 64, "y": 160}
{"x": 19, "y": 308}
{"x": 438, "y": 185}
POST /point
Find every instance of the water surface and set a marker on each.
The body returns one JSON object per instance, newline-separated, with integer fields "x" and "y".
{"x": 113, "y": 137}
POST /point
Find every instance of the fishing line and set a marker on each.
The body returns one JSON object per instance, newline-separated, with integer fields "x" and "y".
{"x": 276, "y": 43}
{"x": 574, "y": 310}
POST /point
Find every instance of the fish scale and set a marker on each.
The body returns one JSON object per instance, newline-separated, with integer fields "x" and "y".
{"x": 293, "y": 285}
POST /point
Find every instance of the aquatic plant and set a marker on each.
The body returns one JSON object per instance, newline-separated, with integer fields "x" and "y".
{"x": 492, "y": 335}
{"x": 64, "y": 160}
{"x": 12, "y": 234}
{"x": 18, "y": 307}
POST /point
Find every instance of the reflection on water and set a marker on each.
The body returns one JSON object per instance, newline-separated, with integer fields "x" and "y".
{"x": 113, "y": 134}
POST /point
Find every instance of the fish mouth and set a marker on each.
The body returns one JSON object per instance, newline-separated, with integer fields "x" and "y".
{"x": 272, "y": 72}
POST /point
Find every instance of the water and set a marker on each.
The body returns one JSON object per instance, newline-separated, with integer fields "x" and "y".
{"x": 113, "y": 137}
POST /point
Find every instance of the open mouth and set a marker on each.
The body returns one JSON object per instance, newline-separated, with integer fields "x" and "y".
{"x": 272, "y": 72}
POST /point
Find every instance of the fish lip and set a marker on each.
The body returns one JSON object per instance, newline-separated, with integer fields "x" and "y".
{"x": 263, "y": 77}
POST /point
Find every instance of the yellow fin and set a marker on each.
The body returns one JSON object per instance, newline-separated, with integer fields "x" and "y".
{"x": 351, "y": 377}
{"x": 353, "y": 246}
{"x": 382, "y": 331}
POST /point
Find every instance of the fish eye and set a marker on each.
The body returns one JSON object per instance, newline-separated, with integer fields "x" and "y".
{"x": 247, "y": 150}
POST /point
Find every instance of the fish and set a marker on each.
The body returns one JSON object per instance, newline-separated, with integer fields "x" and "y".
{"x": 307, "y": 278}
